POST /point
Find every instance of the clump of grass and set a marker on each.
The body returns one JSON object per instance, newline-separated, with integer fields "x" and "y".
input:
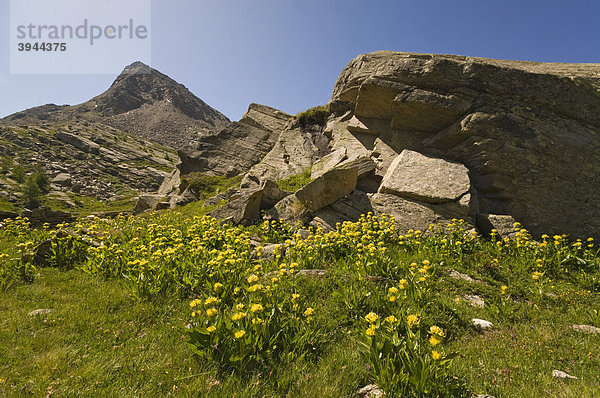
{"x": 208, "y": 185}
{"x": 296, "y": 181}
{"x": 313, "y": 116}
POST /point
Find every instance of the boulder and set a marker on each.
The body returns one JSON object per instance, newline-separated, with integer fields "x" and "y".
{"x": 329, "y": 187}
{"x": 290, "y": 209}
{"x": 147, "y": 202}
{"x": 271, "y": 194}
{"x": 241, "y": 209}
{"x": 327, "y": 163}
{"x": 481, "y": 324}
{"x": 62, "y": 179}
{"x": 504, "y": 225}
{"x": 83, "y": 144}
{"x": 218, "y": 198}
{"x": 348, "y": 208}
{"x": 426, "y": 179}
{"x": 526, "y": 131}
{"x": 408, "y": 214}
{"x": 43, "y": 214}
{"x": 356, "y": 126}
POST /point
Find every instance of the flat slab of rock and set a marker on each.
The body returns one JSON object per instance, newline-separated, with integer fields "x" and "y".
{"x": 586, "y": 329}
{"x": 473, "y": 300}
{"x": 563, "y": 375}
{"x": 40, "y": 311}
{"x": 481, "y": 324}
{"x": 415, "y": 176}
{"x": 356, "y": 126}
{"x": 327, "y": 163}
{"x": 331, "y": 186}
{"x": 370, "y": 391}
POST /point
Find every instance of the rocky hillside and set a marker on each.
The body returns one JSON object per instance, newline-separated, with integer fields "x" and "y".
{"x": 142, "y": 102}
{"x": 90, "y": 166}
{"x": 429, "y": 138}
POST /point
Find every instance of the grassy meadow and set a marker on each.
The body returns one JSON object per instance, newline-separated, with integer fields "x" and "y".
{"x": 176, "y": 304}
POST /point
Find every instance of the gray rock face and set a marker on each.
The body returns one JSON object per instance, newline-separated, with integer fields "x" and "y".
{"x": 147, "y": 202}
{"x": 296, "y": 150}
{"x": 327, "y": 163}
{"x": 527, "y": 132}
{"x": 237, "y": 147}
{"x": 329, "y": 187}
{"x": 290, "y": 209}
{"x": 503, "y": 224}
{"x": 80, "y": 143}
{"x": 409, "y": 214}
{"x": 243, "y": 208}
{"x": 418, "y": 177}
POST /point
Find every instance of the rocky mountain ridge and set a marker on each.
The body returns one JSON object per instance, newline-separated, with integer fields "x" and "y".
{"x": 142, "y": 102}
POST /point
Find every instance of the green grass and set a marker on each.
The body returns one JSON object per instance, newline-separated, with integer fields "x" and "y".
{"x": 209, "y": 185}
{"x": 103, "y": 339}
{"x": 296, "y": 181}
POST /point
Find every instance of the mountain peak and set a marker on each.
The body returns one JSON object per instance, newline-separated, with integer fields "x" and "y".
{"x": 143, "y": 102}
{"x": 136, "y": 68}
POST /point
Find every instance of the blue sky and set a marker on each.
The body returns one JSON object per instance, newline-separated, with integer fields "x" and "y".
{"x": 288, "y": 53}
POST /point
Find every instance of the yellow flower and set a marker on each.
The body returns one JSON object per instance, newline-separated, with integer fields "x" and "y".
{"x": 371, "y": 331}
{"x": 237, "y": 316}
{"x": 436, "y": 330}
{"x": 217, "y": 286}
{"x": 403, "y": 284}
{"x": 392, "y": 298}
{"x": 536, "y": 275}
{"x": 210, "y": 300}
{"x": 295, "y": 296}
{"x": 371, "y": 317}
{"x": 239, "y": 334}
{"x": 239, "y": 307}
{"x": 257, "y": 308}
{"x": 194, "y": 303}
{"x": 436, "y": 355}
{"x": 256, "y": 287}
{"x": 392, "y": 290}
{"x": 412, "y": 320}
{"x": 309, "y": 312}
{"x": 435, "y": 340}
{"x": 391, "y": 319}
{"x": 504, "y": 289}
{"x": 211, "y": 329}
{"x": 252, "y": 278}
{"x": 257, "y": 320}
{"x": 211, "y": 312}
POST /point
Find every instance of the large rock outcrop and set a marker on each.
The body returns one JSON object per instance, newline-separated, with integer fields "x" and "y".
{"x": 237, "y": 147}
{"x": 528, "y": 133}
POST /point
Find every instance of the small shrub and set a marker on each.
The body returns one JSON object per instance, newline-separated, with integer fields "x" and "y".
{"x": 32, "y": 192}
{"x": 19, "y": 173}
{"x": 313, "y": 116}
